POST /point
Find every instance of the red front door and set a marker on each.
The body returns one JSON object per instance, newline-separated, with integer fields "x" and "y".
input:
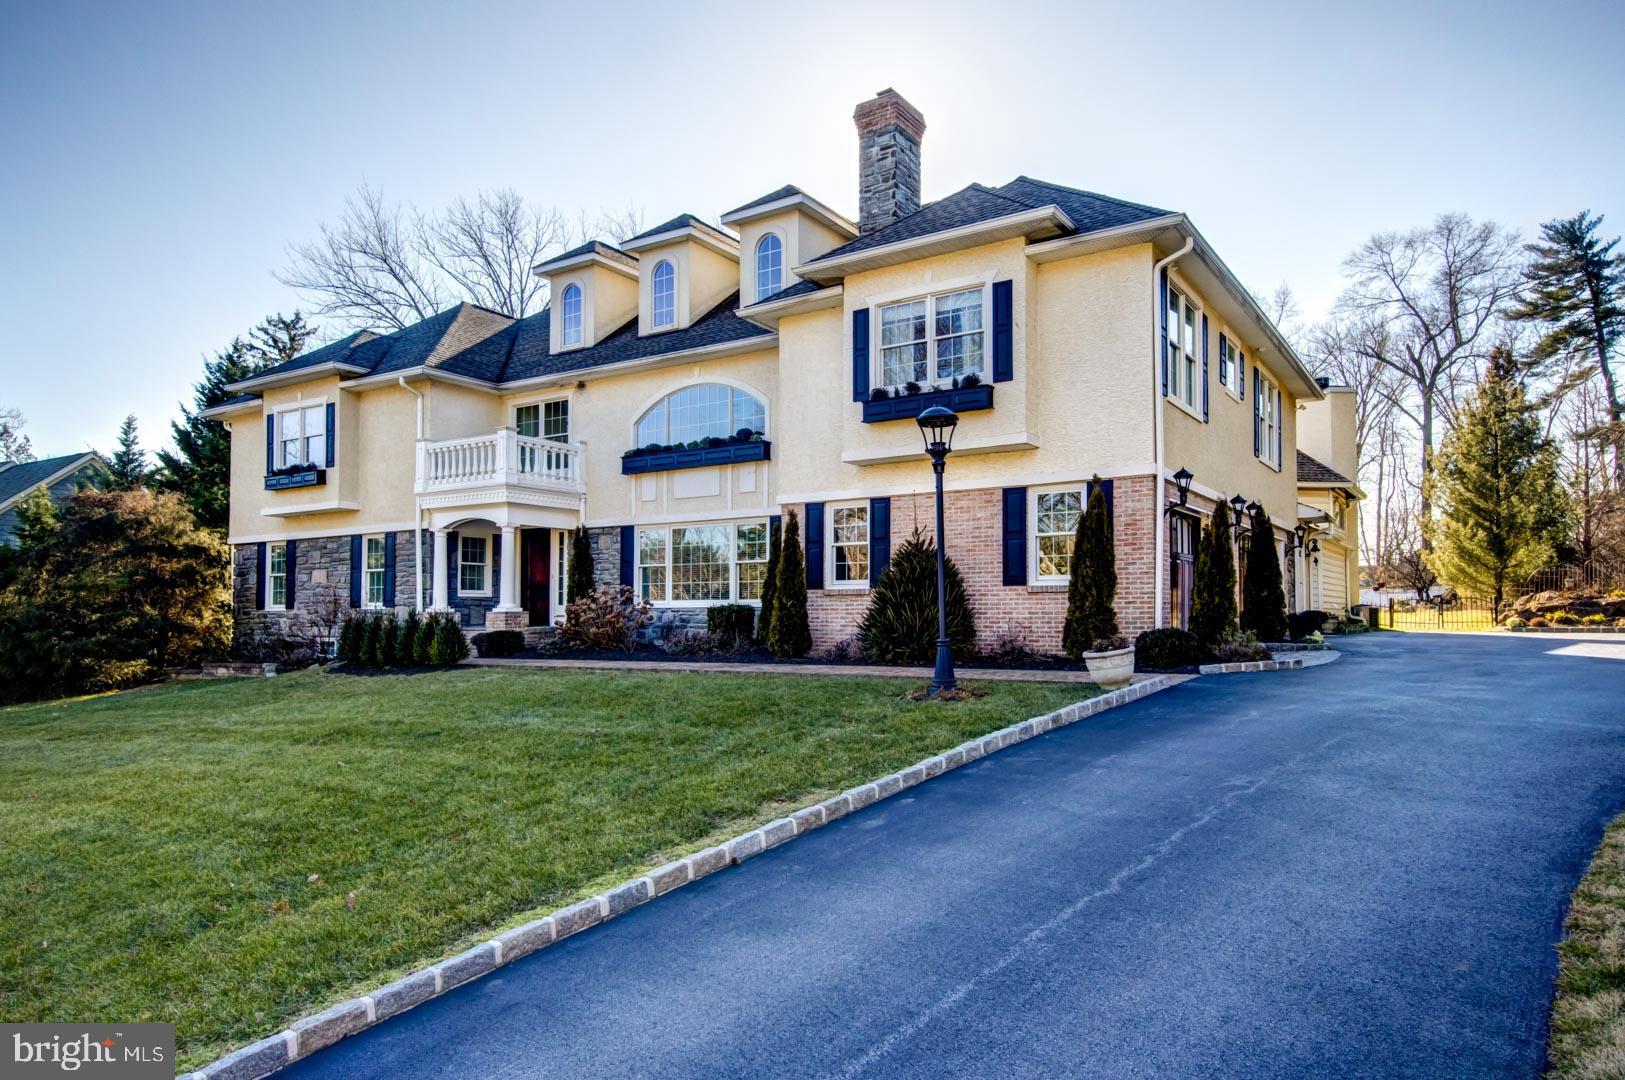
{"x": 534, "y": 590}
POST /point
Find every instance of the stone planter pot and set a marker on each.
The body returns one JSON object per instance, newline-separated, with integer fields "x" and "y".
{"x": 1111, "y": 669}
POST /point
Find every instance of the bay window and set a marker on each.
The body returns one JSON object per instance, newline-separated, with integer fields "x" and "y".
{"x": 702, "y": 564}
{"x": 933, "y": 339}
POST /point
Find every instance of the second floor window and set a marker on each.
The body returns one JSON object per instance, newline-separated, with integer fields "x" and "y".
{"x": 665, "y": 294}
{"x": 544, "y": 420}
{"x": 1266, "y": 419}
{"x": 302, "y": 436}
{"x": 570, "y": 315}
{"x": 1231, "y": 363}
{"x": 932, "y": 340}
{"x": 769, "y": 266}
{"x": 1183, "y": 349}
{"x": 709, "y": 410}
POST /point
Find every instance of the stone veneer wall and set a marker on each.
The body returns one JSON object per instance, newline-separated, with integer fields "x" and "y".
{"x": 1032, "y": 614}
{"x": 321, "y": 587}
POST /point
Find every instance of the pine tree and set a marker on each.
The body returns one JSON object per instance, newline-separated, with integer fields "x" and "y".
{"x": 1213, "y": 593}
{"x": 1502, "y": 508}
{"x": 127, "y": 469}
{"x": 770, "y": 579}
{"x": 1263, "y": 599}
{"x": 1091, "y": 594}
{"x": 580, "y": 581}
{"x": 788, "y": 631}
{"x": 900, "y": 625}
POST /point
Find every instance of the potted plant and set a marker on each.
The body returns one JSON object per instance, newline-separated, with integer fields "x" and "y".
{"x": 1110, "y": 661}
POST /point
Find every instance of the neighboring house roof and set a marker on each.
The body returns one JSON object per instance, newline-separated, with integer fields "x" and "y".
{"x": 1311, "y": 471}
{"x": 18, "y": 478}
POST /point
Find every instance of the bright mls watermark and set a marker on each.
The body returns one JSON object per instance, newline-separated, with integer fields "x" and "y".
{"x": 124, "y": 1051}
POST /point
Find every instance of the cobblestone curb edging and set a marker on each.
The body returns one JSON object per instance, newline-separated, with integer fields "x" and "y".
{"x": 1251, "y": 665}
{"x": 313, "y": 1033}
{"x": 1564, "y": 629}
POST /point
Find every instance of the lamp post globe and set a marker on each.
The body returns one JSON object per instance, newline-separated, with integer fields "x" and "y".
{"x": 937, "y": 426}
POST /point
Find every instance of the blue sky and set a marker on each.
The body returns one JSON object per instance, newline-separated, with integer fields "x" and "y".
{"x": 161, "y": 157}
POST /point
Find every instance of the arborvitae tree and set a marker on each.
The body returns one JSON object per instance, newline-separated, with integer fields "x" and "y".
{"x": 345, "y": 651}
{"x": 127, "y": 469}
{"x": 770, "y": 580}
{"x": 406, "y": 637}
{"x": 388, "y": 637}
{"x": 788, "y": 631}
{"x": 372, "y": 643}
{"x": 1263, "y": 600}
{"x": 422, "y": 644}
{"x": 1091, "y": 594}
{"x": 449, "y": 645}
{"x": 1213, "y": 593}
{"x": 1497, "y": 484}
{"x": 580, "y": 582}
{"x": 900, "y": 625}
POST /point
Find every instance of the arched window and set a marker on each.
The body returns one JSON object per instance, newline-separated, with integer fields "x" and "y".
{"x": 570, "y": 313}
{"x": 708, "y": 410}
{"x": 769, "y": 266}
{"x": 665, "y": 294}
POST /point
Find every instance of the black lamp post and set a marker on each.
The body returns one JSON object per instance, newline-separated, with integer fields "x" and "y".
{"x": 1182, "y": 488}
{"x": 937, "y": 429}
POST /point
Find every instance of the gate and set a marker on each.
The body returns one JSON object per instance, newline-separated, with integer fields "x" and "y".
{"x": 1460, "y": 613}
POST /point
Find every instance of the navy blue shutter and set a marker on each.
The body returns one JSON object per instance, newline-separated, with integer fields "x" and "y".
{"x": 1015, "y": 536}
{"x": 814, "y": 544}
{"x": 1258, "y": 420}
{"x": 293, "y": 558}
{"x": 1162, "y": 304}
{"x": 1004, "y": 319}
{"x": 1224, "y": 359}
{"x": 389, "y": 569}
{"x": 1280, "y": 428}
{"x": 357, "y": 568}
{"x": 629, "y": 554}
{"x": 879, "y": 538}
{"x": 1106, "y": 493}
{"x": 1241, "y": 373}
{"x": 454, "y": 565}
{"x": 261, "y": 568}
{"x": 860, "y": 354}
{"x": 270, "y": 443}
{"x": 331, "y": 437}
{"x": 1204, "y": 367}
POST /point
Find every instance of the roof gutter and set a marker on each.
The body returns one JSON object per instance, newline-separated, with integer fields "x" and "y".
{"x": 1160, "y": 541}
{"x": 283, "y": 378}
{"x": 1049, "y": 219}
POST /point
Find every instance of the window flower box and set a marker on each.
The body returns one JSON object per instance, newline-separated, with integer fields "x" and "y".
{"x": 644, "y": 461}
{"x": 287, "y": 479}
{"x": 908, "y": 406}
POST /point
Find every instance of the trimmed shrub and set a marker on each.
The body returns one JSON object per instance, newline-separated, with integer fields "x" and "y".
{"x": 788, "y": 632}
{"x": 1562, "y": 618}
{"x": 499, "y": 642}
{"x": 1263, "y": 601}
{"x": 1213, "y": 593}
{"x": 1538, "y": 621}
{"x": 422, "y": 640}
{"x": 900, "y": 626}
{"x": 1167, "y": 649}
{"x": 1239, "y": 647}
{"x": 730, "y": 624}
{"x": 579, "y": 582}
{"x": 406, "y": 639}
{"x": 690, "y": 643}
{"x": 349, "y": 634}
{"x": 770, "y": 583}
{"x": 1596, "y": 618}
{"x": 449, "y": 645}
{"x": 609, "y": 617}
{"x": 372, "y": 654}
{"x": 1091, "y": 593}
{"x": 1300, "y": 624}
{"x": 1514, "y": 623}
{"x": 389, "y": 630}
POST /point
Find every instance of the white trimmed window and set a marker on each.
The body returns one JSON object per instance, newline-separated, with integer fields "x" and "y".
{"x": 1184, "y": 349}
{"x": 1266, "y": 419}
{"x": 373, "y": 584}
{"x": 697, "y": 565}
{"x": 934, "y": 339}
{"x": 545, "y": 420}
{"x": 769, "y": 266}
{"x": 1232, "y": 365}
{"x": 664, "y": 294}
{"x": 849, "y": 545}
{"x": 570, "y": 315}
{"x": 302, "y": 436}
{"x": 276, "y": 575}
{"x": 474, "y": 565}
{"x": 1055, "y": 527}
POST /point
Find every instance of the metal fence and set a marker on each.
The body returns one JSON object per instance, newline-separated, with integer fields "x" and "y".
{"x": 1595, "y": 574}
{"x": 1458, "y": 613}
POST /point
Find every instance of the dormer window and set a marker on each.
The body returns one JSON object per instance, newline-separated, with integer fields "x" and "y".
{"x": 769, "y": 266}
{"x": 570, "y": 313}
{"x": 665, "y": 295}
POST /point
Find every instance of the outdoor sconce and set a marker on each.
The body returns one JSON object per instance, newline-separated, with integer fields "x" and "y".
{"x": 1182, "y": 486}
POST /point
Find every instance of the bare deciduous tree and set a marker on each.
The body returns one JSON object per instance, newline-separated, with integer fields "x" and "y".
{"x": 14, "y": 445}
{"x": 487, "y": 248}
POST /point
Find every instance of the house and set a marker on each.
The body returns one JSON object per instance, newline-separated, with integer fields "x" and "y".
{"x": 686, "y": 388}
{"x": 1328, "y": 571}
{"x": 60, "y": 477}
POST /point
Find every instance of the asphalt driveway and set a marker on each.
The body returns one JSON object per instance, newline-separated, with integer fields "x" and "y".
{"x": 1358, "y": 869}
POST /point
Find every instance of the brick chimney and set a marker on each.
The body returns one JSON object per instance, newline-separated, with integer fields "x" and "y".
{"x": 889, "y": 134}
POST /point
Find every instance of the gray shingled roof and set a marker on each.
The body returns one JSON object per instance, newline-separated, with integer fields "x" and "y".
{"x": 773, "y": 196}
{"x": 1311, "y": 471}
{"x": 596, "y": 247}
{"x": 19, "y": 476}
{"x": 682, "y": 221}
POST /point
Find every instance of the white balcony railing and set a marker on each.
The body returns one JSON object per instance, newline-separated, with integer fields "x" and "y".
{"x": 503, "y": 457}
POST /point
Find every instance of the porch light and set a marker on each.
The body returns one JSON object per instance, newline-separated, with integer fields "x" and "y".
{"x": 1253, "y": 508}
{"x": 1238, "y": 503}
{"x": 1182, "y": 484}
{"x": 937, "y": 426}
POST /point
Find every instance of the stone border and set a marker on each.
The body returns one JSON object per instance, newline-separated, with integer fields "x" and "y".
{"x": 1564, "y": 629}
{"x": 312, "y": 1033}
{"x": 1251, "y": 665}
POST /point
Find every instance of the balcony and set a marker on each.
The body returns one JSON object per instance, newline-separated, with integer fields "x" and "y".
{"x": 501, "y": 467}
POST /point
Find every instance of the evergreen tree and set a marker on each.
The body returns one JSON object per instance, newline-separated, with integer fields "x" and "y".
{"x": 770, "y": 580}
{"x": 1091, "y": 594}
{"x": 277, "y": 339}
{"x": 580, "y": 581}
{"x": 1263, "y": 599}
{"x": 788, "y": 631}
{"x": 1213, "y": 593}
{"x": 127, "y": 469}
{"x": 900, "y": 625}
{"x": 1503, "y": 510}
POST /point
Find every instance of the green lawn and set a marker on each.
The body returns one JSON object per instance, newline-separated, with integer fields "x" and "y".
{"x": 230, "y": 855}
{"x": 1588, "y": 1017}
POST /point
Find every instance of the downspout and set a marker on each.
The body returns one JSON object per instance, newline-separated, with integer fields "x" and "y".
{"x": 1160, "y": 543}
{"x": 417, "y": 533}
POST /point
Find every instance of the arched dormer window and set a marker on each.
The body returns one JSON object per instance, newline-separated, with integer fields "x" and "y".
{"x": 769, "y": 266}
{"x": 665, "y": 294}
{"x": 703, "y": 411}
{"x": 570, "y": 315}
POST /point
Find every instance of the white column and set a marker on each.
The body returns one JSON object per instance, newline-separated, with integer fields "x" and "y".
{"x": 442, "y": 601}
{"x": 508, "y": 599}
